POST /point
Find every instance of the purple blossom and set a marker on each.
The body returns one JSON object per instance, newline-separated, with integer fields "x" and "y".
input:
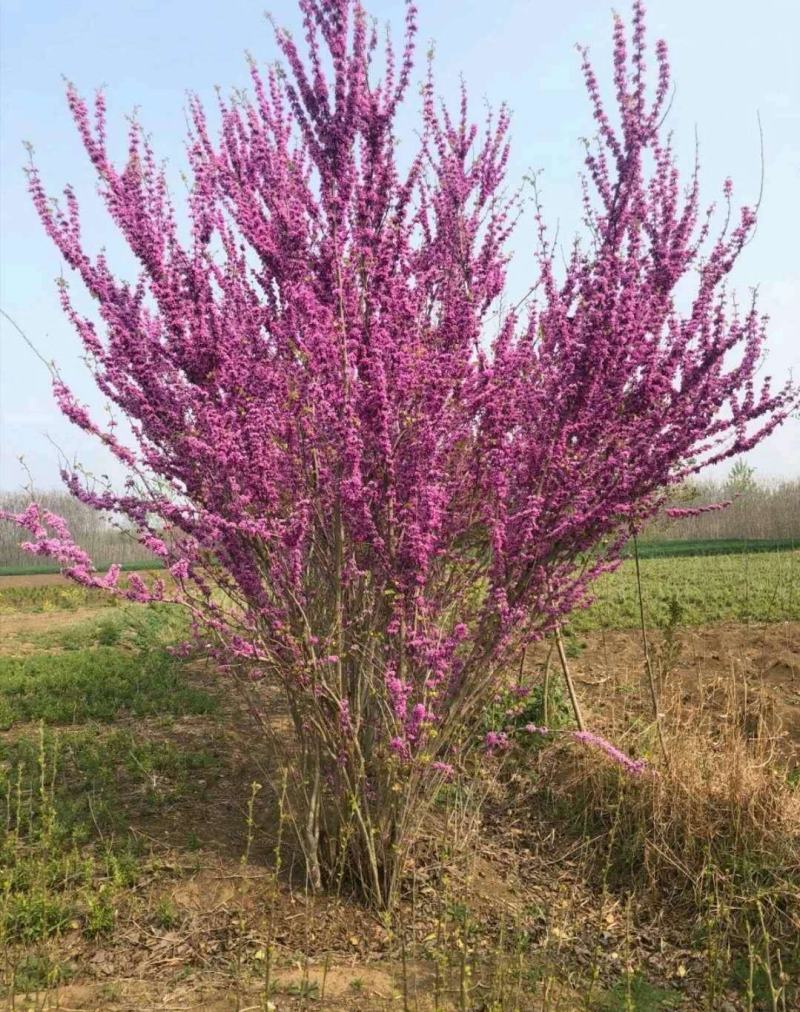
{"x": 419, "y": 716}
{"x": 180, "y": 569}
{"x": 446, "y": 769}
{"x": 398, "y": 692}
{"x": 400, "y": 747}
{"x": 633, "y": 766}
{"x": 496, "y": 741}
{"x": 680, "y": 512}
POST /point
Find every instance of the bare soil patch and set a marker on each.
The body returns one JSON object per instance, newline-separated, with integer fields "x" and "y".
{"x": 16, "y": 628}
{"x": 32, "y": 580}
{"x": 704, "y": 667}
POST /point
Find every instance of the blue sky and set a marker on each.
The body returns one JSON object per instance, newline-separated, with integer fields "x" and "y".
{"x": 732, "y": 61}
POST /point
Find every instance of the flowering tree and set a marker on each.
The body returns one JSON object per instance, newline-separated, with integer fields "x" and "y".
{"x": 371, "y": 483}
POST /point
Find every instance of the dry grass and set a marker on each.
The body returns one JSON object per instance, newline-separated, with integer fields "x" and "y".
{"x": 706, "y": 843}
{"x": 718, "y": 810}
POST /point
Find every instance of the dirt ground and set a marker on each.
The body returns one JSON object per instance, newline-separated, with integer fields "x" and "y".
{"x": 15, "y": 628}
{"x": 226, "y": 909}
{"x": 756, "y": 665}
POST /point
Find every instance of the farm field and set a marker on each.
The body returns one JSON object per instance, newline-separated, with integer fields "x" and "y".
{"x": 137, "y": 872}
{"x": 697, "y": 590}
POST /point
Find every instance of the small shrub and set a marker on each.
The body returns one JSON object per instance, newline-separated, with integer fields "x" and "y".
{"x": 37, "y": 972}
{"x": 166, "y": 915}
{"x": 100, "y": 915}
{"x": 33, "y": 916}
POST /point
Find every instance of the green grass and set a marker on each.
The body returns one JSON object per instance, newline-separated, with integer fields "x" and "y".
{"x": 62, "y": 596}
{"x": 97, "y": 779}
{"x": 724, "y": 588}
{"x": 74, "y": 803}
{"x": 636, "y": 994}
{"x": 128, "y": 625}
{"x": 108, "y": 667}
{"x": 47, "y": 570}
{"x": 102, "y": 683}
{"x": 713, "y": 546}
{"x": 67, "y": 855}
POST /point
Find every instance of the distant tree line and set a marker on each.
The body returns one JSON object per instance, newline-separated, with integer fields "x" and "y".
{"x": 759, "y": 510}
{"x": 105, "y": 538}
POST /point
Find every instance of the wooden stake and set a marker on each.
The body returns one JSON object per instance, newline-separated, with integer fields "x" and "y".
{"x": 576, "y": 709}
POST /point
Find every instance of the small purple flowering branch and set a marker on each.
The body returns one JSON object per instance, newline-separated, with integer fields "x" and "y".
{"x": 635, "y": 767}
{"x": 682, "y": 513}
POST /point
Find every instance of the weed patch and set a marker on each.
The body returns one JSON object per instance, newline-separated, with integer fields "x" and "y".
{"x": 723, "y": 588}
{"x": 61, "y": 596}
{"x": 102, "y": 683}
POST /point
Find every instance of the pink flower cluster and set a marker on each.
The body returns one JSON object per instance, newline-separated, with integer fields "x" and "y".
{"x": 496, "y": 741}
{"x": 681, "y": 513}
{"x": 633, "y": 766}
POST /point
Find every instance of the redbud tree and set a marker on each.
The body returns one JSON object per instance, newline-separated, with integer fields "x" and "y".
{"x": 372, "y": 478}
